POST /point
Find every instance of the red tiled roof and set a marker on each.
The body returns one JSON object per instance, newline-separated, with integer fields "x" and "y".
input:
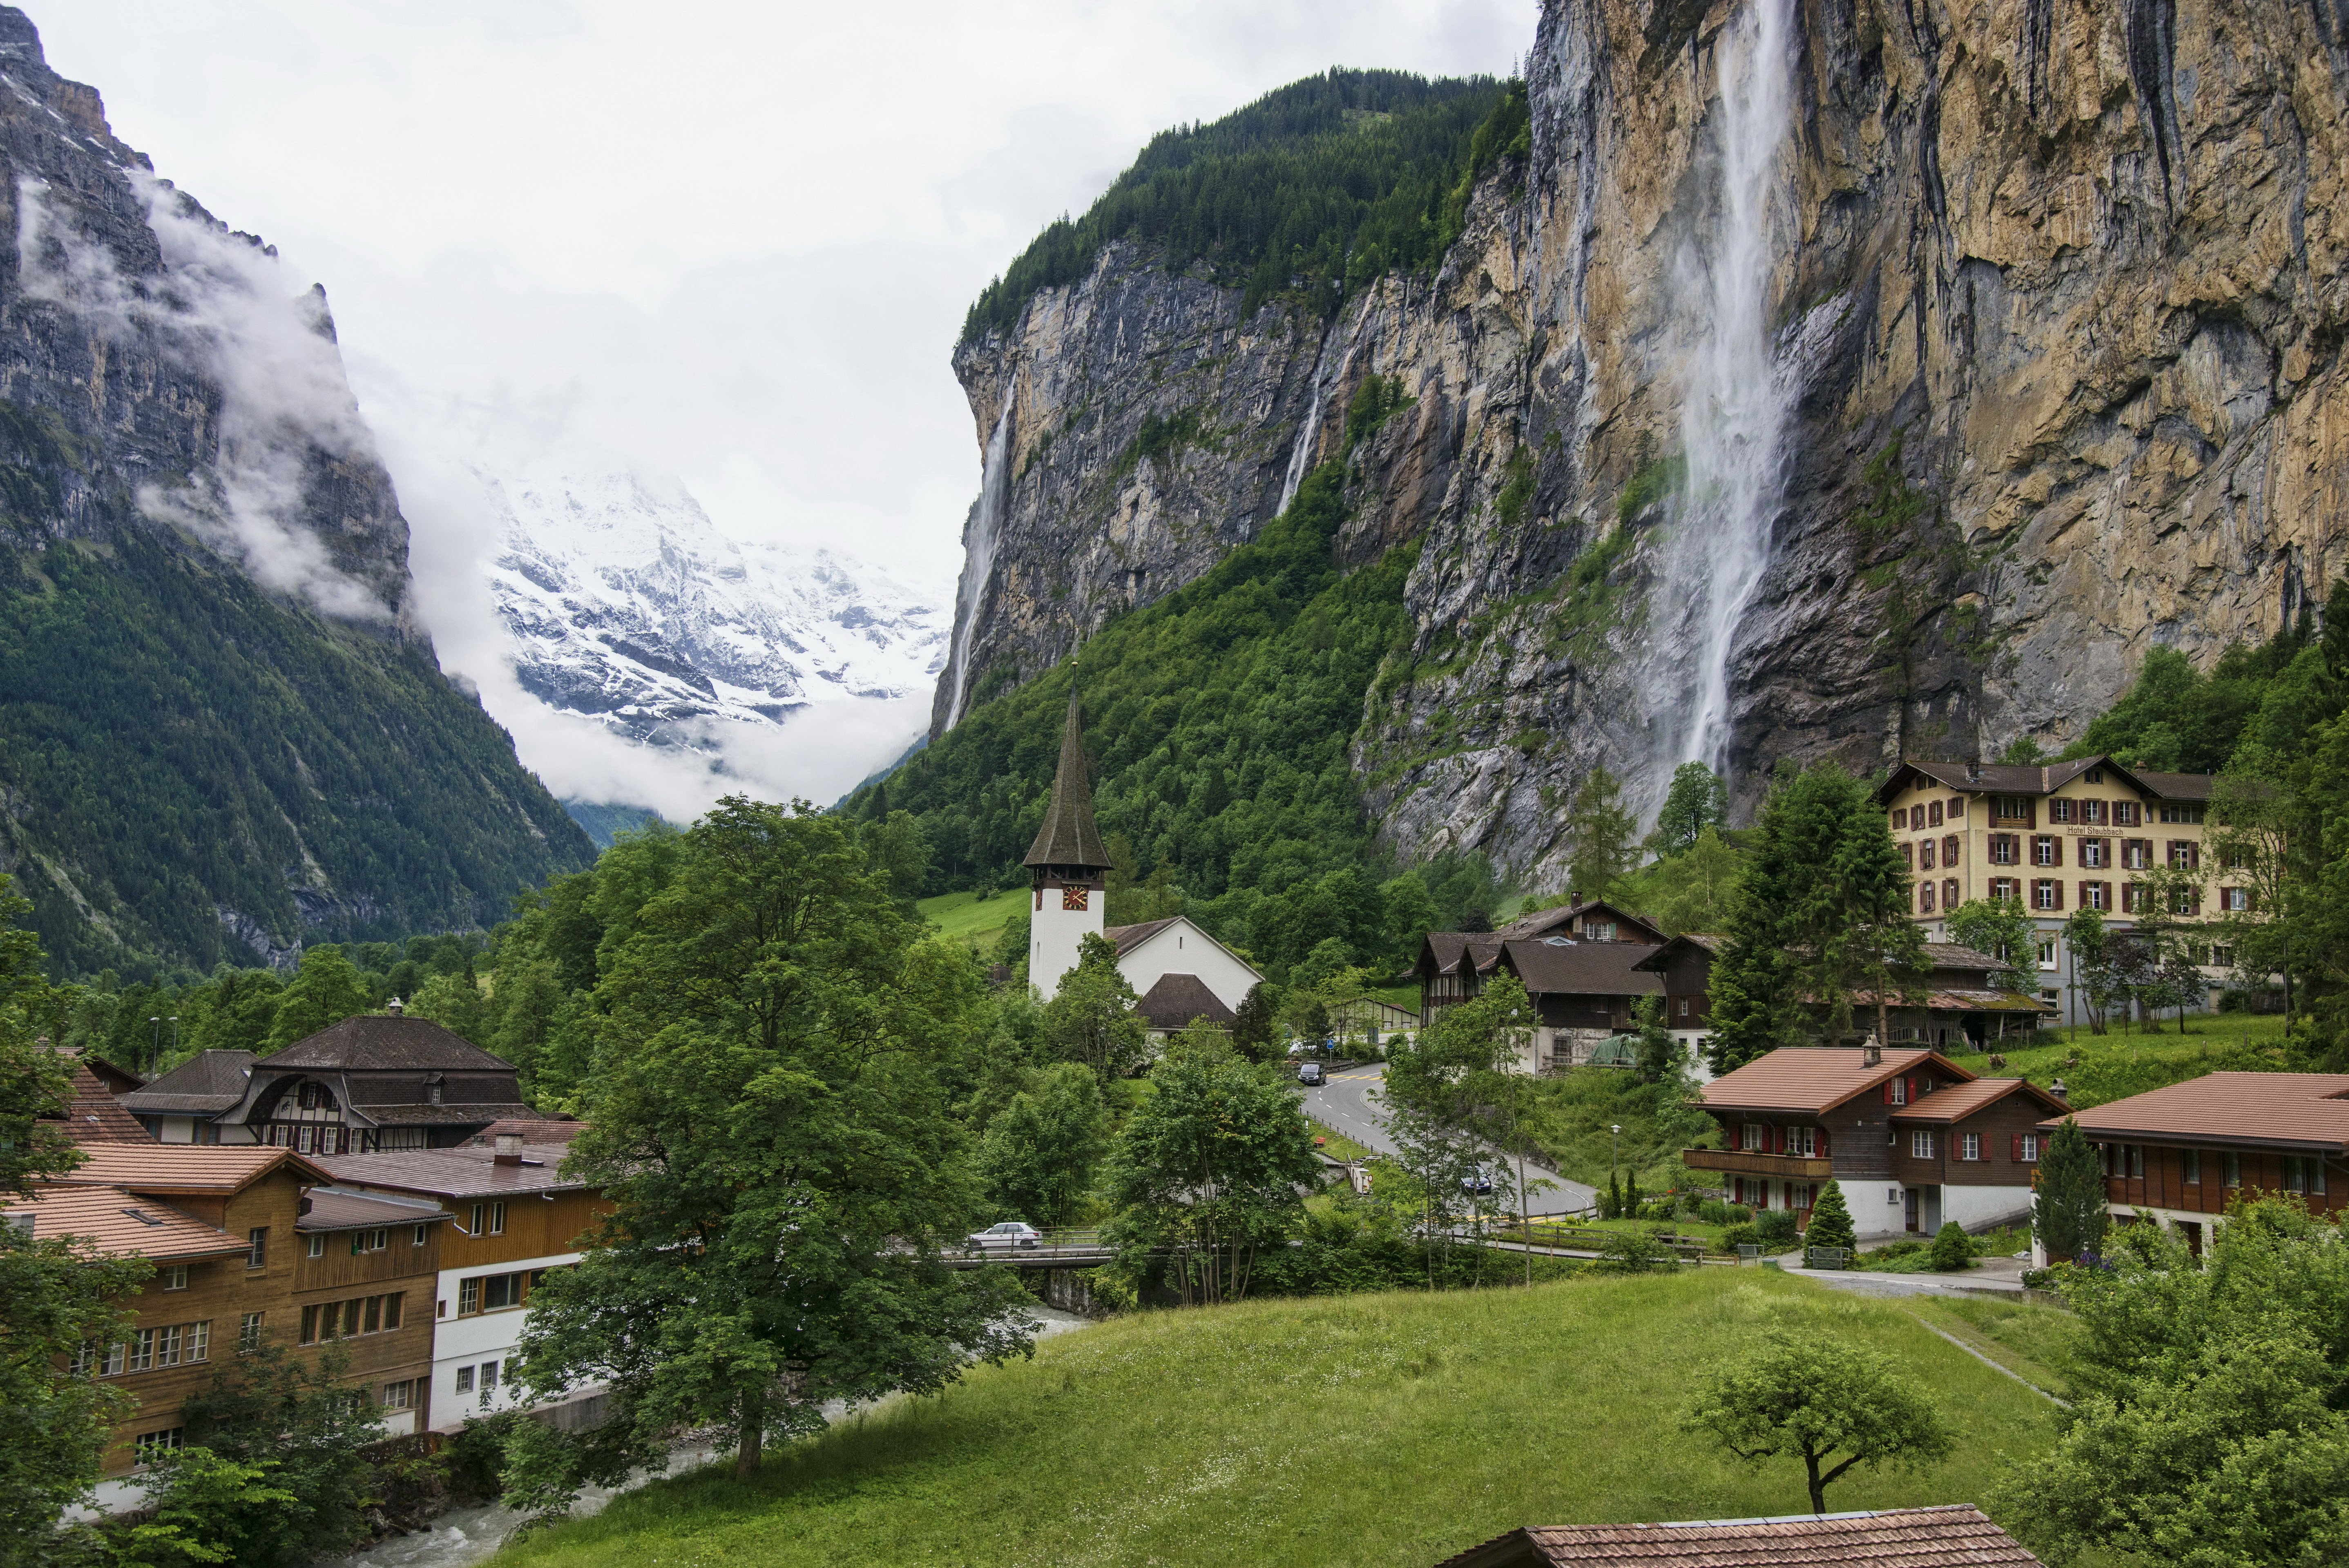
{"x": 94, "y": 1116}
{"x": 2278, "y": 1109}
{"x": 1818, "y": 1077}
{"x": 1955, "y": 1536}
{"x": 120, "y": 1223}
{"x": 1959, "y": 1101}
{"x": 534, "y": 1130}
{"x": 188, "y": 1167}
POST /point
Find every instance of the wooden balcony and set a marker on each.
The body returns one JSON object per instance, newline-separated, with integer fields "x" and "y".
{"x": 1737, "y": 1161}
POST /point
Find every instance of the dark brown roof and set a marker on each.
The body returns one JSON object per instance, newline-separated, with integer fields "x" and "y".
{"x": 1541, "y": 922}
{"x": 442, "y": 1116}
{"x": 1956, "y": 955}
{"x": 1659, "y": 958}
{"x": 332, "y": 1208}
{"x": 467, "y": 1172}
{"x": 1959, "y": 1101}
{"x": 118, "y": 1080}
{"x": 2282, "y": 1110}
{"x": 380, "y": 1042}
{"x": 1818, "y": 1077}
{"x": 120, "y": 1223}
{"x": 1125, "y": 939}
{"x": 1178, "y": 1000}
{"x": 188, "y": 1167}
{"x": 204, "y": 1085}
{"x": 1069, "y": 837}
{"x": 1956, "y": 1536}
{"x": 1582, "y": 968}
{"x": 2002, "y": 778}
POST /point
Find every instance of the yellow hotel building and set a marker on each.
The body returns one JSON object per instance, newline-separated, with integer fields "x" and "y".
{"x": 2055, "y": 838}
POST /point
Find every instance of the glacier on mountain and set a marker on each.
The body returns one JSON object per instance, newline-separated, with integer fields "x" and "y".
{"x": 626, "y": 605}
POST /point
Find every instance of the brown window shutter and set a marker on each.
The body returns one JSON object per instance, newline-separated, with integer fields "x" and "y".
{"x": 2016, "y": 1152}
{"x": 2058, "y": 886}
{"x": 1887, "y": 1090}
{"x": 2058, "y": 844}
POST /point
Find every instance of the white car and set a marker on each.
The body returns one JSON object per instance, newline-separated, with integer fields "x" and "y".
{"x": 1010, "y": 1233}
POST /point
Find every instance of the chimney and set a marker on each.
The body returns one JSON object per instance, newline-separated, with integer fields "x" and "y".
{"x": 1973, "y": 772}
{"x": 1871, "y": 1054}
{"x": 2060, "y": 1092}
{"x": 509, "y": 1149}
{"x": 394, "y": 1007}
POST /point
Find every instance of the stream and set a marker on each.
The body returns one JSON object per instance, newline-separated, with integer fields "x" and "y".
{"x": 467, "y": 1536}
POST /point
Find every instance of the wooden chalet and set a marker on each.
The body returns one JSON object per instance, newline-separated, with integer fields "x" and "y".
{"x": 1915, "y": 1139}
{"x": 1966, "y": 998}
{"x": 1454, "y": 966}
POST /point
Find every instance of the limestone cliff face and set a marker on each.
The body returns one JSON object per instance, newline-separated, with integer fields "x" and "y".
{"x": 2088, "y": 262}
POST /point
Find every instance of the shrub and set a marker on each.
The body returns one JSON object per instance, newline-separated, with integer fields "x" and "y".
{"x": 1634, "y": 1252}
{"x": 1713, "y": 1211}
{"x": 1739, "y": 1235}
{"x": 1774, "y": 1227}
{"x": 1952, "y": 1248}
{"x": 476, "y": 1455}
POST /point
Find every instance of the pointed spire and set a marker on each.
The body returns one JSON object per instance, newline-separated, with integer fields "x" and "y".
{"x": 1069, "y": 837}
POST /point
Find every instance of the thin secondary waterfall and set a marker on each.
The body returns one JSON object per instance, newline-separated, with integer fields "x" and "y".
{"x": 1739, "y": 398}
{"x": 979, "y": 551}
{"x": 1300, "y": 456}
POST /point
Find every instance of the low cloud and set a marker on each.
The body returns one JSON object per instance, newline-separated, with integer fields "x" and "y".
{"x": 219, "y": 310}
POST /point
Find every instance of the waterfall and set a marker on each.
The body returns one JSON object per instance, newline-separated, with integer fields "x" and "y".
{"x": 1740, "y": 396}
{"x": 1300, "y": 456}
{"x": 979, "y": 551}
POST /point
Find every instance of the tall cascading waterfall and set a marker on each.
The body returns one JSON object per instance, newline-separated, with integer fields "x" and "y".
{"x": 978, "y": 552}
{"x": 1739, "y": 398}
{"x": 1300, "y": 455}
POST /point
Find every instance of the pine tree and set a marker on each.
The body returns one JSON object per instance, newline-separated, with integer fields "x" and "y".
{"x": 1831, "y": 1220}
{"x": 2068, "y": 1216}
{"x": 1874, "y": 943}
{"x": 1600, "y": 831}
{"x": 1252, "y": 1026}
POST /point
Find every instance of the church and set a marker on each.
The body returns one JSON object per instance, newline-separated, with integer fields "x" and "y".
{"x": 1181, "y": 973}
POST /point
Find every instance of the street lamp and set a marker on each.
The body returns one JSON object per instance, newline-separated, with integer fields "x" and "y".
{"x": 1614, "y": 1153}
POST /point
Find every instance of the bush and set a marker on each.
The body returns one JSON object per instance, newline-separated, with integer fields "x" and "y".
{"x": 1774, "y": 1227}
{"x": 476, "y": 1455}
{"x": 1739, "y": 1235}
{"x": 1634, "y": 1252}
{"x": 1952, "y": 1248}
{"x": 1713, "y": 1211}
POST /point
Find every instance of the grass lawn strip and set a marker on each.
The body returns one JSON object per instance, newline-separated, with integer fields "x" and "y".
{"x": 972, "y": 916}
{"x": 1365, "y": 1430}
{"x": 1337, "y": 1145}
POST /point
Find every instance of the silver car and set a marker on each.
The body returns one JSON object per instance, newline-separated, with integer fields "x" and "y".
{"x": 1010, "y": 1233}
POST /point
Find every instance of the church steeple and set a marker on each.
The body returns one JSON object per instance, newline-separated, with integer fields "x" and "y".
{"x": 1068, "y": 868}
{"x": 1069, "y": 837}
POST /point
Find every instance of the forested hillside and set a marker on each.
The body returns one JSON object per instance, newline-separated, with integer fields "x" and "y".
{"x": 1321, "y": 185}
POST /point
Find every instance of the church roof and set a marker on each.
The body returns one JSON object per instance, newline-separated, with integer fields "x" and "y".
{"x": 1179, "y": 1000}
{"x": 1069, "y": 837}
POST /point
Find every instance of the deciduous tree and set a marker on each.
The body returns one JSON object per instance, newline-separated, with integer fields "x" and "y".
{"x": 1041, "y": 1152}
{"x": 1697, "y": 798}
{"x": 1816, "y": 1398}
{"x": 1090, "y": 1019}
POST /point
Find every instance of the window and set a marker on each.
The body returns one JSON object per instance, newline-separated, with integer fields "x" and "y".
{"x": 199, "y": 1344}
{"x": 2191, "y": 1163}
{"x": 143, "y": 1350}
{"x": 1925, "y": 855}
{"x": 374, "y": 1240}
{"x": 1684, "y": 1012}
{"x": 373, "y": 1323}
{"x": 343, "y": 1320}
{"x": 2051, "y": 997}
{"x": 1957, "y": 808}
{"x": 248, "y": 1332}
{"x": 2136, "y": 1153}
{"x": 2059, "y": 811}
{"x": 1950, "y": 850}
{"x": 464, "y": 1380}
{"x": 423, "y": 1234}
{"x": 2182, "y": 813}
{"x": 1896, "y": 1093}
{"x": 1933, "y": 814}
{"x": 1899, "y": 819}
{"x": 2046, "y": 849}
{"x": 1802, "y": 1141}
{"x": 256, "y": 1247}
{"x": 2026, "y": 1148}
{"x": 2094, "y": 775}
{"x": 400, "y": 1396}
{"x": 2096, "y": 894}
{"x": 489, "y": 1375}
{"x": 2130, "y": 897}
{"x": 318, "y": 1247}
{"x": 2006, "y": 849}
{"x": 100, "y": 1360}
{"x": 1592, "y": 931}
{"x": 2048, "y": 893}
{"x": 175, "y": 1278}
{"x": 2047, "y": 952}
{"x": 2233, "y": 1169}
{"x": 2185, "y": 855}
{"x": 2235, "y": 900}
{"x": 149, "y": 1446}
{"x": 1924, "y": 897}
{"x": 1949, "y": 894}
{"x": 2092, "y": 812}
{"x": 1909, "y": 856}
{"x": 2011, "y": 809}
{"x": 1970, "y": 1145}
{"x": 2095, "y": 852}
{"x": 469, "y": 1296}
{"x": 2127, "y": 813}
{"x": 497, "y": 1219}
{"x": 2222, "y": 955}
{"x": 2006, "y": 888}
{"x": 501, "y": 1291}
{"x": 2186, "y": 901}
{"x": 481, "y": 1217}
{"x": 1921, "y": 1145}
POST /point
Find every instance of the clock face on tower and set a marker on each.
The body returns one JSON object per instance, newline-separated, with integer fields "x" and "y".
{"x": 1075, "y": 897}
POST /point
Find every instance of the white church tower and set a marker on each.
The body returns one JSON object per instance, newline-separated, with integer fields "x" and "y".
{"x": 1068, "y": 868}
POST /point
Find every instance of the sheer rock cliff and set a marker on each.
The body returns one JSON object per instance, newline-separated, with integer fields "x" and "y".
{"x": 2084, "y": 263}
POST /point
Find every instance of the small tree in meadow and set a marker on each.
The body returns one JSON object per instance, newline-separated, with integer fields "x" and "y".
{"x": 1817, "y": 1398}
{"x": 1255, "y": 1027}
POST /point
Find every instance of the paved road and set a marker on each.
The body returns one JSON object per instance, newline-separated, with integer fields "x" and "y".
{"x": 1348, "y": 1104}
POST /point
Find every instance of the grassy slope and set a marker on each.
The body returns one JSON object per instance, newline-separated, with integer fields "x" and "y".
{"x": 972, "y": 916}
{"x": 1389, "y": 1429}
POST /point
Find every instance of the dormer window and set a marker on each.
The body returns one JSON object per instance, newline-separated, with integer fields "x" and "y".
{"x": 433, "y": 1089}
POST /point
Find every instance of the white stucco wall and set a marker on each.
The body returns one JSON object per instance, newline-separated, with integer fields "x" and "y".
{"x": 1984, "y": 1207}
{"x": 1183, "y": 947}
{"x": 472, "y": 1340}
{"x": 1056, "y": 937}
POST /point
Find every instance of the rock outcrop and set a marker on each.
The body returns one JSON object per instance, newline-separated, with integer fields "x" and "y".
{"x": 2074, "y": 272}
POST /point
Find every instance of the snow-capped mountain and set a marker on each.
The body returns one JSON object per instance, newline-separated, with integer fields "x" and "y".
{"x": 632, "y": 607}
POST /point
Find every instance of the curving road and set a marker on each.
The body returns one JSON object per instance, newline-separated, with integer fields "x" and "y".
{"x": 1348, "y": 1104}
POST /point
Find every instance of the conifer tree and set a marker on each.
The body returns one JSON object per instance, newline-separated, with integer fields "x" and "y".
{"x": 1252, "y": 1026}
{"x": 1600, "y": 831}
{"x": 2068, "y": 1214}
{"x": 1831, "y": 1218}
{"x": 1868, "y": 940}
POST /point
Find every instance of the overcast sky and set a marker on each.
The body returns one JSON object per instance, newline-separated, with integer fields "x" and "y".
{"x": 728, "y": 242}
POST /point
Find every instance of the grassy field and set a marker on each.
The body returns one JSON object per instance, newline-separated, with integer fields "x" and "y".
{"x": 1387, "y": 1430}
{"x": 2102, "y": 1067}
{"x": 973, "y": 917}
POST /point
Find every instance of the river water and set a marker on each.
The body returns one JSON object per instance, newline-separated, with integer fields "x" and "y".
{"x": 467, "y": 1536}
